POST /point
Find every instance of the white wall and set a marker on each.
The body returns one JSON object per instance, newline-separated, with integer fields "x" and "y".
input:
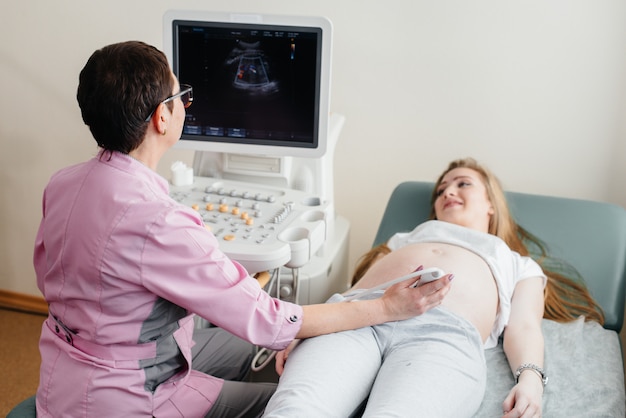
{"x": 534, "y": 89}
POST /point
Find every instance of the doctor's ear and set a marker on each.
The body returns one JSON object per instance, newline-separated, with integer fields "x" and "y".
{"x": 160, "y": 118}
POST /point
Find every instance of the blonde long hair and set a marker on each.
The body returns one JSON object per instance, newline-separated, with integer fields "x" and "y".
{"x": 565, "y": 298}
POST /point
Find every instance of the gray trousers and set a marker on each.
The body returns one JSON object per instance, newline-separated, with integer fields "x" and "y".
{"x": 218, "y": 353}
{"x": 432, "y": 365}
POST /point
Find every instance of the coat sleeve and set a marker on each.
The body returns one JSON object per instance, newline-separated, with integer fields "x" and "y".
{"x": 181, "y": 262}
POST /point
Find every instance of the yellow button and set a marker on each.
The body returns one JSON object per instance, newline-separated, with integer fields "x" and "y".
{"x": 229, "y": 237}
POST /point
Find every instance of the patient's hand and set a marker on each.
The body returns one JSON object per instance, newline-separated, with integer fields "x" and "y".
{"x": 404, "y": 301}
{"x": 281, "y": 356}
{"x": 524, "y": 400}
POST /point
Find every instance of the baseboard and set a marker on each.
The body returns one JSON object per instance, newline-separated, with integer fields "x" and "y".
{"x": 23, "y": 302}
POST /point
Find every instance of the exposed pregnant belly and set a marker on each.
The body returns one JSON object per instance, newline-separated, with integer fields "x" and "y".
{"x": 473, "y": 295}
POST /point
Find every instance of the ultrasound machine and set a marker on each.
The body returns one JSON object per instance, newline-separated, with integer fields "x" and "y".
{"x": 264, "y": 139}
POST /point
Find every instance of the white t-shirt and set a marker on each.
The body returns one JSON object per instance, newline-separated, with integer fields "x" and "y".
{"x": 507, "y": 267}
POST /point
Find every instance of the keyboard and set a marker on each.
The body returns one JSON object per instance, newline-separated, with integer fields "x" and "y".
{"x": 261, "y": 227}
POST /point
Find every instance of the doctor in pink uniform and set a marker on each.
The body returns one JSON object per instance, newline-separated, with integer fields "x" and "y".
{"x": 124, "y": 268}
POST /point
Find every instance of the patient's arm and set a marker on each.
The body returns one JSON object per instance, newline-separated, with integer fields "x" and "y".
{"x": 523, "y": 343}
{"x": 281, "y": 357}
{"x": 368, "y": 259}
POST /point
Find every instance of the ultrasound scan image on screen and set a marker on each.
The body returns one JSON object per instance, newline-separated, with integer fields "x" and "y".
{"x": 254, "y": 84}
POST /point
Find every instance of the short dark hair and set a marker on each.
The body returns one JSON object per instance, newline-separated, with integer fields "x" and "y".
{"x": 118, "y": 88}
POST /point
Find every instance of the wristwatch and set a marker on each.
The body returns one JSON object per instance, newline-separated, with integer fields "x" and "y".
{"x": 533, "y": 367}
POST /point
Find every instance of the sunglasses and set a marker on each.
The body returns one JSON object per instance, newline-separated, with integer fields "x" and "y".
{"x": 185, "y": 94}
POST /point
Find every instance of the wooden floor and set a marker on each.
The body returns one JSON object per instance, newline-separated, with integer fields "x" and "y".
{"x": 19, "y": 368}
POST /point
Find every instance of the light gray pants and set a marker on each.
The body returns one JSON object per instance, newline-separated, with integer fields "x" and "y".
{"x": 432, "y": 365}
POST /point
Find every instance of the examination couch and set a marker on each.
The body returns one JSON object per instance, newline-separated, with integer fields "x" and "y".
{"x": 583, "y": 360}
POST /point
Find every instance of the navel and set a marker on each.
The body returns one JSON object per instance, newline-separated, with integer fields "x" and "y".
{"x": 437, "y": 250}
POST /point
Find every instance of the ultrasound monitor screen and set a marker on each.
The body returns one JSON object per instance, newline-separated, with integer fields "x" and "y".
{"x": 252, "y": 84}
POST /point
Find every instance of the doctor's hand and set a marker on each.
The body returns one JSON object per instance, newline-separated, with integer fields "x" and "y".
{"x": 400, "y": 301}
{"x": 281, "y": 356}
{"x": 405, "y": 301}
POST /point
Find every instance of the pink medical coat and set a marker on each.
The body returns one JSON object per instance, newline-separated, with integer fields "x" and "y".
{"x": 123, "y": 267}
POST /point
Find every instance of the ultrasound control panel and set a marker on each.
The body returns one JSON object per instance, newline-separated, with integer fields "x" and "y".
{"x": 261, "y": 227}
